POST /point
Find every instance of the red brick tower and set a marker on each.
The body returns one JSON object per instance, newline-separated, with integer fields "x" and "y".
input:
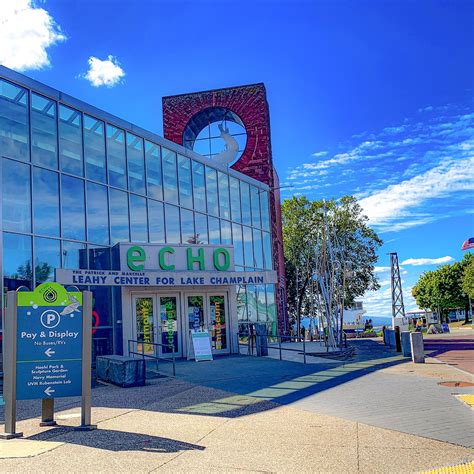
{"x": 249, "y": 104}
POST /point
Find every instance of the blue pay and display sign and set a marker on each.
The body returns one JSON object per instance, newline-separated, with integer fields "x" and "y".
{"x": 49, "y": 343}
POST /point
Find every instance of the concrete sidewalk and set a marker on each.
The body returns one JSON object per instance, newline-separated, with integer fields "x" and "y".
{"x": 176, "y": 426}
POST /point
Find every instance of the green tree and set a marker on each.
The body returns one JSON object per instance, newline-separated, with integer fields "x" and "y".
{"x": 468, "y": 279}
{"x": 303, "y": 222}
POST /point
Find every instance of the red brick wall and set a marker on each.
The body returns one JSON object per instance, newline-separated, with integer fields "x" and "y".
{"x": 250, "y": 104}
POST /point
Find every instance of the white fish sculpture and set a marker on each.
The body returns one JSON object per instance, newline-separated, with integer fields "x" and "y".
{"x": 74, "y": 304}
{"x": 229, "y": 154}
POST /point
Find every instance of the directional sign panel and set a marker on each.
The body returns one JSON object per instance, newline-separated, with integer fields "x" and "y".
{"x": 49, "y": 343}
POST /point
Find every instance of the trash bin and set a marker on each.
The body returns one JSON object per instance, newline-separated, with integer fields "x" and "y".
{"x": 261, "y": 339}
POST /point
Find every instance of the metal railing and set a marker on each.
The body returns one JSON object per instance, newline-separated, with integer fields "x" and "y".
{"x": 153, "y": 356}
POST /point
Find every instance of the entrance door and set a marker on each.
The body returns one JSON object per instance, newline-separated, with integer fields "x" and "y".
{"x": 169, "y": 330}
{"x": 145, "y": 317}
{"x": 218, "y": 322}
{"x": 208, "y": 312}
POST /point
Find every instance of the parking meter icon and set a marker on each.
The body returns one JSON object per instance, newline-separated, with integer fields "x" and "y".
{"x": 50, "y": 319}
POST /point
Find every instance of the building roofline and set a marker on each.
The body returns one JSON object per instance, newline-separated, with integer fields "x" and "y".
{"x": 245, "y": 86}
{"x": 66, "y": 99}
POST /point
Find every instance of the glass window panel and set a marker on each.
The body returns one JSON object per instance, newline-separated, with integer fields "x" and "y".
{"x": 102, "y": 312}
{"x": 265, "y": 211}
{"x": 202, "y": 147}
{"x": 267, "y": 250}
{"x": 214, "y": 231}
{"x": 245, "y": 197}
{"x": 138, "y": 219}
{"x": 211, "y": 187}
{"x": 14, "y": 121}
{"x": 170, "y": 179}
{"x": 173, "y": 234}
{"x": 46, "y": 202}
{"x": 238, "y": 244}
{"x": 16, "y": 202}
{"x": 99, "y": 258}
{"x": 17, "y": 266}
{"x": 119, "y": 224}
{"x": 97, "y": 214}
{"x": 188, "y": 235}
{"x": 226, "y": 233}
{"x": 261, "y": 299}
{"x": 70, "y": 141}
{"x": 136, "y": 164}
{"x": 241, "y": 303}
{"x": 235, "y": 199}
{"x": 116, "y": 161}
{"x": 153, "y": 170}
{"x": 257, "y": 248}
{"x": 72, "y": 206}
{"x": 74, "y": 255}
{"x": 44, "y": 149}
{"x": 248, "y": 246}
{"x": 201, "y": 228}
{"x": 185, "y": 185}
{"x": 94, "y": 149}
{"x": 224, "y": 201}
{"x": 252, "y": 303}
{"x": 255, "y": 199}
{"x": 47, "y": 258}
{"x": 271, "y": 306}
{"x": 157, "y": 221}
{"x": 199, "y": 187}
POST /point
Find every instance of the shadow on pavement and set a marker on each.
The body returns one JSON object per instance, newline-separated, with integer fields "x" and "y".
{"x": 112, "y": 440}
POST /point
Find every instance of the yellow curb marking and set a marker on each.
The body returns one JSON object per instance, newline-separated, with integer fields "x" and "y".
{"x": 467, "y": 399}
{"x": 467, "y": 468}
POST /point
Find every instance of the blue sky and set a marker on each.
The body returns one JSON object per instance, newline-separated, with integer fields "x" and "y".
{"x": 371, "y": 98}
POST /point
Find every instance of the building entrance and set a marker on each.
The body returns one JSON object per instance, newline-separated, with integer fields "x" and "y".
{"x": 168, "y": 319}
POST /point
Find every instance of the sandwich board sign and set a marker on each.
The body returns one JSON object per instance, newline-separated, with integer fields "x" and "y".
{"x": 201, "y": 345}
{"x": 47, "y": 351}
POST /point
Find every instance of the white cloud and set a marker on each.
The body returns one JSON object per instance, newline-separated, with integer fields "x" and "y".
{"x": 397, "y": 202}
{"x": 105, "y": 72}
{"x": 320, "y": 153}
{"x": 26, "y": 33}
{"x": 427, "y": 261}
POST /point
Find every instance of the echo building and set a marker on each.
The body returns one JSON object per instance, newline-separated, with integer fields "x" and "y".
{"x": 171, "y": 235}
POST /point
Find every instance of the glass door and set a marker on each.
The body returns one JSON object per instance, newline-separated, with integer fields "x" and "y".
{"x": 144, "y": 312}
{"x": 170, "y": 335}
{"x": 217, "y": 304}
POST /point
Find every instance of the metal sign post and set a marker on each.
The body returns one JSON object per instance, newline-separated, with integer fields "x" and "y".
{"x": 47, "y": 351}
{"x": 9, "y": 367}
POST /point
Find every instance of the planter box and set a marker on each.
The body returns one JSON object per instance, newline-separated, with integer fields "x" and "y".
{"x": 121, "y": 370}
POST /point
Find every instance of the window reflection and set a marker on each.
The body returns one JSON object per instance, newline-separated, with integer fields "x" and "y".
{"x": 70, "y": 141}
{"x": 226, "y": 233}
{"x": 267, "y": 250}
{"x": 136, "y": 165}
{"x": 248, "y": 246}
{"x": 156, "y": 221}
{"x": 235, "y": 199}
{"x": 211, "y": 188}
{"x": 16, "y": 196}
{"x": 199, "y": 187}
{"x": 72, "y": 206}
{"x": 119, "y": 225}
{"x": 170, "y": 179}
{"x": 94, "y": 149}
{"x": 99, "y": 258}
{"x": 201, "y": 228}
{"x": 238, "y": 244}
{"x": 214, "y": 231}
{"x": 185, "y": 188}
{"x": 245, "y": 197}
{"x": 47, "y": 258}
{"x": 265, "y": 210}
{"x": 14, "y": 121}
{"x": 188, "y": 235}
{"x": 153, "y": 169}
{"x": 257, "y": 248}
{"x": 255, "y": 199}
{"x": 46, "y": 202}
{"x": 74, "y": 255}
{"x": 97, "y": 214}
{"x": 138, "y": 219}
{"x": 173, "y": 234}
{"x": 224, "y": 201}
{"x": 17, "y": 267}
{"x": 116, "y": 162}
{"x": 43, "y": 131}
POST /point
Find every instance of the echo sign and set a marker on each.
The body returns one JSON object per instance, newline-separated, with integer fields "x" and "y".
{"x": 177, "y": 257}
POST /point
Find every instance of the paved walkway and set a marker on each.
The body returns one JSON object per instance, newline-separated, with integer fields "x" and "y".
{"x": 454, "y": 349}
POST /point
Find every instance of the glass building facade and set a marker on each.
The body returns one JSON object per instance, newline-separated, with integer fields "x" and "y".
{"x": 76, "y": 181}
